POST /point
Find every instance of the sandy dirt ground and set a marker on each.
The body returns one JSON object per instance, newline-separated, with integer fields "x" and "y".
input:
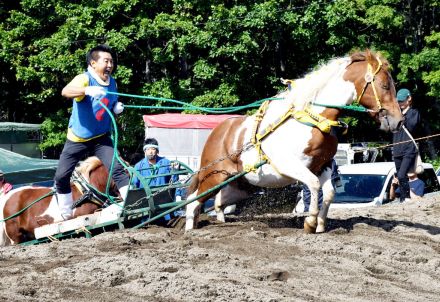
{"x": 390, "y": 253}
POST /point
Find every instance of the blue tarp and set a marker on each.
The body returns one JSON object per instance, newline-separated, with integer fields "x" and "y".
{"x": 20, "y": 169}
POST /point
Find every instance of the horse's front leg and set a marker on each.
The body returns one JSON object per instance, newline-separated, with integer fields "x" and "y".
{"x": 328, "y": 196}
{"x": 310, "y": 223}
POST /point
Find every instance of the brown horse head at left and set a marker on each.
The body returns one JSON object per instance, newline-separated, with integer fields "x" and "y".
{"x": 293, "y": 135}
{"x": 20, "y": 227}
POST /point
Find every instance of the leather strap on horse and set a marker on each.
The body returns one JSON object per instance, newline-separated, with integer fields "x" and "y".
{"x": 257, "y": 138}
{"x": 88, "y": 192}
{"x": 306, "y": 116}
{"x": 369, "y": 78}
{"x": 254, "y": 139}
{"x": 310, "y": 118}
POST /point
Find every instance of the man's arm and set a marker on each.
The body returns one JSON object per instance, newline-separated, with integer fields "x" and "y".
{"x": 413, "y": 119}
{"x": 76, "y": 88}
{"x": 79, "y": 87}
{"x": 394, "y": 185}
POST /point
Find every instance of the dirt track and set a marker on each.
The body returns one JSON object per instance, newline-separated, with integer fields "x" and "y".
{"x": 389, "y": 253}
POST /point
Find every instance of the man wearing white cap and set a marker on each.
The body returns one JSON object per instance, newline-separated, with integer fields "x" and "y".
{"x": 404, "y": 154}
{"x": 153, "y": 164}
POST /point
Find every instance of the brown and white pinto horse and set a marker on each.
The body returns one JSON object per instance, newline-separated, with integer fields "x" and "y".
{"x": 296, "y": 149}
{"x": 21, "y": 228}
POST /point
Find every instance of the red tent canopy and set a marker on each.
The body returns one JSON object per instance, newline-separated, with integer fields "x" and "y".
{"x": 191, "y": 121}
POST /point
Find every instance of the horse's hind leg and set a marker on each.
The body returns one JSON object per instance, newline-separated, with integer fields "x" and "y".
{"x": 193, "y": 209}
{"x": 227, "y": 196}
{"x": 192, "y": 212}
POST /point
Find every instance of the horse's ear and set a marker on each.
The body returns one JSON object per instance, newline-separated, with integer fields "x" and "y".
{"x": 371, "y": 58}
{"x": 358, "y": 57}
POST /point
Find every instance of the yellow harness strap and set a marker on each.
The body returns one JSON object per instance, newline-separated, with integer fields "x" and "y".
{"x": 306, "y": 116}
{"x": 313, "y": 119}
{"x": 369, "y": 78}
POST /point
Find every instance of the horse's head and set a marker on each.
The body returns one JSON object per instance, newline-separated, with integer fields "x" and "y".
{"x": 375, "y": 89}
{"x": 96, "y": 174}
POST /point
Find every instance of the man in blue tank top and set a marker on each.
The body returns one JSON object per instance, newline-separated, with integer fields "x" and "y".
{"x": 90, "y": 124}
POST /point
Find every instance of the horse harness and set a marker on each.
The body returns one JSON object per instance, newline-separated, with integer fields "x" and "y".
{"x": 369, "y": 78}
{"x": 88, "y": 192}
{"x": 306, "y": 117}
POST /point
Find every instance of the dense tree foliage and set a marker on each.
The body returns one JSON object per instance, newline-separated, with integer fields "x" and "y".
{"x": 211, "y": 53}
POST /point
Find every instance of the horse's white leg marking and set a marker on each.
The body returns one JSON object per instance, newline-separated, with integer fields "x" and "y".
{"x": 192, "y": 212}
{"x": 311, "y": 221}
{"x": 53, "y": 210}
{"x": 328, "y": 193}
{"x": 218, "y": 206}
{"x": 227, "y": 196}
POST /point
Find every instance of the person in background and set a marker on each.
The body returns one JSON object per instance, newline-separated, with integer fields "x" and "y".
{"x": 404, "y": 149}
{"x": 417, "y": 187}
{"x": 90, "y": 125}
{"x": 5, "y": 187}
{"x": 153, "y": 164}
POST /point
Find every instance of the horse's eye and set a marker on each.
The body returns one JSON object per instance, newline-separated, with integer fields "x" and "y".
{"x": 385, "y": 85}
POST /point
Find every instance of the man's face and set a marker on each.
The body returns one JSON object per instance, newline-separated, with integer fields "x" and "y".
{"x": 151, "y": 153}
{"x": 405, "y": 104}
{"x": 103, "y": 66}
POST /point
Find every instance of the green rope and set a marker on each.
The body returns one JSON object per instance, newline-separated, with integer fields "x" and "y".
{"x": 116, "y": 156}
{"x": 348, "y": 107}
{"x": 188, "y": 106}
{"x": 51, "y": 192}
{"x": 207, "y": 192}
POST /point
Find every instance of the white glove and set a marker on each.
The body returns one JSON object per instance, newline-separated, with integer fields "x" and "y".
{"x": 95, "y": 91}
{"x": 118, "y": 108}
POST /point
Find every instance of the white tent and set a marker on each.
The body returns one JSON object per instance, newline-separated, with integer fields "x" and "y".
{"x": 182, "y": 136}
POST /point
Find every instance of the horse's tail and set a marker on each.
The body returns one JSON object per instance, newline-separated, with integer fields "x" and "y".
{"x": 194, "y": 184}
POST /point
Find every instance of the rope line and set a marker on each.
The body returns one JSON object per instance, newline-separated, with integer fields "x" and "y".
{"x": 222, "y": 110}
{"x": 188, "y": 106}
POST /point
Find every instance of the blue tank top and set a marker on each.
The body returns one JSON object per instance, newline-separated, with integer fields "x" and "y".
{"x": 89, "y": 119}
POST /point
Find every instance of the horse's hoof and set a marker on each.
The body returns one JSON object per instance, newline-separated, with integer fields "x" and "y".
{"x": 309, "y": 229}
{"x": 320, "y": 229}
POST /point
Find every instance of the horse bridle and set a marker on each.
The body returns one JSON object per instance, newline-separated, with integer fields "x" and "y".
{"x": 88, "y": 192}
{"x": 369, "y": 78}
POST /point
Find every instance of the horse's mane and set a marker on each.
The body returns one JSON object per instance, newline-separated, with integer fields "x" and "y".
{"x": 87, "y": 166}
{"x": 305, "y": 89}
{"x": 370, "y": 57}
{"x": 99, "y": 178}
